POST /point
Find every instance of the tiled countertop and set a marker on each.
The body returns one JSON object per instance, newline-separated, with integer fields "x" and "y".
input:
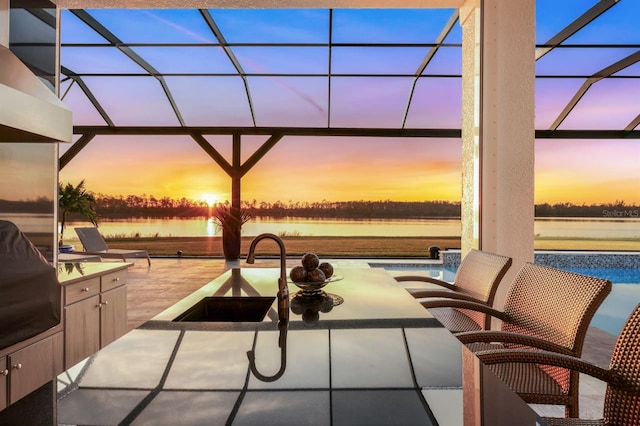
{"x": 378, "y": 358}
{"x": 367, "y": 293}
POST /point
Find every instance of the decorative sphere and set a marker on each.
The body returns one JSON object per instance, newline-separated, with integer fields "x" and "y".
{"x": 316, "y": 276}
{"x": 310, "y": 317}
{"x": 310, "y": 261}
{"x": 298, "y": 274}
{"x": 326, "y": 268}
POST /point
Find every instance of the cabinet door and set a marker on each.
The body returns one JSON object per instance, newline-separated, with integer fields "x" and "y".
{"x": 32, "y": 367}
{"x": 82, "y": 330}
{"x": 3, "y": 383}
{"x": 113, "y": 315}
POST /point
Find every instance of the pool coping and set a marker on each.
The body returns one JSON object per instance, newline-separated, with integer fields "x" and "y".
{"x": 566, "y": 259}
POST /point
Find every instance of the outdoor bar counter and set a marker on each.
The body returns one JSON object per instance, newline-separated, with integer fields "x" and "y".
{"x": 365, "y": 353}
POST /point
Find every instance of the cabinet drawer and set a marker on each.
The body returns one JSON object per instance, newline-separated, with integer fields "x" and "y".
{"x": 81, "y": 290}
{"x": 113, "y": 280}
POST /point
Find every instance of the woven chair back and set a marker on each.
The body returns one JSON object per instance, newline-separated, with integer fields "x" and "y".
{"x": 622, "y": 402}
{"x": 478, "y": 275}
{"x": 554, "y": 305}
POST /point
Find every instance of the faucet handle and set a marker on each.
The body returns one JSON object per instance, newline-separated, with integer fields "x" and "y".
{"x": 283, "y": 291}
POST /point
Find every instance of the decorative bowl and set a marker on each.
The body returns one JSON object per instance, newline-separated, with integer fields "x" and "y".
{"x": 309, "y": 306}
{"x": 314, "y": 287}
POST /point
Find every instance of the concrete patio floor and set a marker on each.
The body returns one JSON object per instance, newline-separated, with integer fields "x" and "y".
{"x": 153, "y": 289}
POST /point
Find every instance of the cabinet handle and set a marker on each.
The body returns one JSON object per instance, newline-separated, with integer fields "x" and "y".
{"x": 4, "y": 372}
{"x": 18, "y": 366}
{"x": 106, "y": 302}
{"x": 99, "y": 305}
{"x": 86, "y": 289}
{"x": 116, "y": 279}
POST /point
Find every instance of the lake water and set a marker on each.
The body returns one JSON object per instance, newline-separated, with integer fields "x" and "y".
{"x": 194, "y": 227}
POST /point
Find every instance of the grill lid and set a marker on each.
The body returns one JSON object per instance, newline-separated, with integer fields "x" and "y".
{"x": 29, "y": 288}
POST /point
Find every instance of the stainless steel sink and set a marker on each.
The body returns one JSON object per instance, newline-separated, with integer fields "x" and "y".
{"x": 228, "y": 309}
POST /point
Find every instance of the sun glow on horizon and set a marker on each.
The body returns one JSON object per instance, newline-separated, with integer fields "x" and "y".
{"x": 210, "y": 199}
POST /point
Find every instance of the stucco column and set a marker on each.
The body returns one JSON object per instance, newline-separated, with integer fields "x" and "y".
{"x": 498, "y": 129}
{"x": 4, "y": 23}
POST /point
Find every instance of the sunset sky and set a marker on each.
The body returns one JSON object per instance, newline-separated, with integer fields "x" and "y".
{"x": 336, "y": 169}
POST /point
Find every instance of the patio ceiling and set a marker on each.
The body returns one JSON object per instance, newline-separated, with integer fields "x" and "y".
{"x": 373, "y": 72}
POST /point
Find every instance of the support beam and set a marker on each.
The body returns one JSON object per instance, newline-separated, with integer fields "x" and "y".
{"x": 236, "y": 175}
{"x": 88, "y": 93}
{"x": 260, "y": 152}
{"x": 634, "y": 123}
{"x": 323, "y": 131}
{"x": 582, "y": 21}
{"x": 252, "y": 4}
{"x": 232, "y": 57}
{"x": 85, "y": 17}
{"x": 75, "y": 149}
{"x": 427, "y": 59}
{"x": 213, "y": 153}
{"x": 285, "y": 131}
{"x": 603, "y": 73}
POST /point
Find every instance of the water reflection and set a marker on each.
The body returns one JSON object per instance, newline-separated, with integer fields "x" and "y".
{"x": 70, "y": 267}
{"x": 310, "y": 306}
{"x": 283, "y": 326}
{"x": 236, "y": 284}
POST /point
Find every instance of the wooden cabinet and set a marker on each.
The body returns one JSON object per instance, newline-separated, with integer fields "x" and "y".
{"x": 4, "y": 372}
{"x": 95, "y": 312}
{"x": 113, "y": 315}
{"x": 33, "y": 366}
{"x": 27, "y": 369}
{"x": 82, "y": 325}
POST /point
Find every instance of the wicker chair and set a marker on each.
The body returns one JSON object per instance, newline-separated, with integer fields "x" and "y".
{"x": 547, "y": 309}
{"x": 622, "y": 397}
{"x": 476, "y": 280}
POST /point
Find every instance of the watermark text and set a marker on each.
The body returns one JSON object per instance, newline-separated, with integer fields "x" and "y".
{"x": 621, "y": 213}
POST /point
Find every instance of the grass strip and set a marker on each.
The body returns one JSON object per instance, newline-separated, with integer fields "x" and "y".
{"x": 355, "y": 247}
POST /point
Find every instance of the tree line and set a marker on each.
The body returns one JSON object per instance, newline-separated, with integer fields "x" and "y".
{"x": 134, "y": 206}
{"x": 142, "y": 206}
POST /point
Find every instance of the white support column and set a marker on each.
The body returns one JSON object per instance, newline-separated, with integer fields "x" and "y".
{"x": 4, "y": 23}
{"x": 471, "y": 39}
{"x": 498, "y": 129}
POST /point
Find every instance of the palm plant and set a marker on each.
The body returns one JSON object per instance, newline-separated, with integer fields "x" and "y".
{"x": 75, "y": 199}
{"x": 230, "y": 220}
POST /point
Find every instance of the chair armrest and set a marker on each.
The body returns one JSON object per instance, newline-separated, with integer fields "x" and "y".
{"x": 490, "y": 336}
{"x": 421, "y": 278}
{"x": 419, "y": 294}
{"x": 463, "y": 304}
{"x": 499, "y": 356}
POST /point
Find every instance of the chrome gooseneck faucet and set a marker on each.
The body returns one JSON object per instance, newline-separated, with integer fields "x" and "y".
{"x": 283, "y": 287}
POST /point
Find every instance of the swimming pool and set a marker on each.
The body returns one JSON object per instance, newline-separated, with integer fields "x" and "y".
{"x": 610, "y": 316}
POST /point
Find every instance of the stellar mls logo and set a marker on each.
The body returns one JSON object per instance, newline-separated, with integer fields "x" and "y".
{"x": 621, "y": 213}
